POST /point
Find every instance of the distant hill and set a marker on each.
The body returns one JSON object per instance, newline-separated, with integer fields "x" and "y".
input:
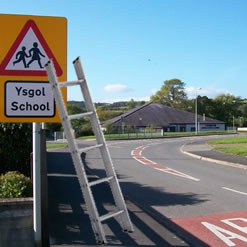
{"x": 116, "y": 106}
{"x": 109, "y": 106}
{"x": 78, "y": 103}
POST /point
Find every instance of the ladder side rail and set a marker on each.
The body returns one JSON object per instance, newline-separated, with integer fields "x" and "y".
{"x": 110, "y": 171}
{"x": 116, "y": 190}
{"x": 81, "y": 173}
{"x": 61, "y": 106}
{"x": 88, "y": 100}
{"x": 89, "y": 103}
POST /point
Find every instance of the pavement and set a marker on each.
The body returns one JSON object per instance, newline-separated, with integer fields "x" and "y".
{"x": 203, "y": 151}
{"x": 69, "y": 223}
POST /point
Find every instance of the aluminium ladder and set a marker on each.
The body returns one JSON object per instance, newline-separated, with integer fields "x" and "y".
{"x": 121, "y": 209}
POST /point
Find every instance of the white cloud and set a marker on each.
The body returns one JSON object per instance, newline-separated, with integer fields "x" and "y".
{"x": 112, "y": 100}
{"x": 209, "y": 92}
{"x": 117, "y": 88}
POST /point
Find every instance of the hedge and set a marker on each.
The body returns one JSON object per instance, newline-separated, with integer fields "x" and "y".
{"x": 15, "y": 147}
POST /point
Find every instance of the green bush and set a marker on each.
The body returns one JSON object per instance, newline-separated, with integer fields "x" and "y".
{"x": 15, "y": 147}
{"x": 15, "y": 185}
{"x": 85, "y": 130}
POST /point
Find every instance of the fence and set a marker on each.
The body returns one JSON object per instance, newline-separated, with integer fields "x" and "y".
{"x": 118, "y": 132}
{"x": 59, "y": 136}
{"x": 137, "y": 132}
{"x": 231, "y": 129}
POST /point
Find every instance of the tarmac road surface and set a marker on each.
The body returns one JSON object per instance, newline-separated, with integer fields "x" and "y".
{"x": 201, "y": 203}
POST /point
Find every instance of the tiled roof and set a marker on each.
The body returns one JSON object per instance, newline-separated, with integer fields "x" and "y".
{"x": 158, "y": 115}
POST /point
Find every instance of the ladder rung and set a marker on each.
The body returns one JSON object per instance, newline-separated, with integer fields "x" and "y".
{"x": 89, "y": 148}
{"x": 102, "y": 180}
{"x": 81, "y": 115}
{"x": 110, "y": 215}
{"x": 70, "y": 83}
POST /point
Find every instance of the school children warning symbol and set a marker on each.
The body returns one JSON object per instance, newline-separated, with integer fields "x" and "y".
{"x": 28, "y": 54}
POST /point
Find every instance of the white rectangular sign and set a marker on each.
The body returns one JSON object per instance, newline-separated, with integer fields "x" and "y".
{"x": 28, "y": 99}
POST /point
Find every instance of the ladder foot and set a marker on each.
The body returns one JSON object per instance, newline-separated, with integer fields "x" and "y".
{"x": 100, "y": 242}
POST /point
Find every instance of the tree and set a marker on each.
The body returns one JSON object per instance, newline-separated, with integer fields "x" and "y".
{"x": 243, "y": 110}
{"x": 52, "y": 127}
{"x": 140, "y": 103}
{"x": 76, "y": 109}
{"x": 172, "y": 93}
{"x": 205, "y": 106}
{"x": 225, "y": 107}
{"x": 104, "y": 114}
{"x": 101, "y": 113}
{"x": 131, "y": 104}
{"x": 15, "y": 147}
{"x": 241, "y": 121}
{"x": 109, "y": 128}
{"x": 82, "y": 126}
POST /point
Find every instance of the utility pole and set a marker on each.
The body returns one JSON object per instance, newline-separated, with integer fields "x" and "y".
{"x": 196, "y": 119}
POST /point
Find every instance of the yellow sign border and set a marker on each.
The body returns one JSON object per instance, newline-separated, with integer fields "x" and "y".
{"x": 54, "y": 31}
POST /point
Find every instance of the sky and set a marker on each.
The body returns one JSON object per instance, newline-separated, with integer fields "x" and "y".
{"x": 130, "y": 47}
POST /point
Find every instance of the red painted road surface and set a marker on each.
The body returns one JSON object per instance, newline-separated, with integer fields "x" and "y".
{"x": 137, "y": 155}
{"x": 219, "y": 230}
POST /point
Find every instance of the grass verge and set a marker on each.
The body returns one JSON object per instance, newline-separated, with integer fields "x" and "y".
{"x": 233, "y": 145}
{"x": 231, "y": 140}
{"x": 235, "y": 150}
{"x": 56, "y": 145}
{"x": 153, "y": 134}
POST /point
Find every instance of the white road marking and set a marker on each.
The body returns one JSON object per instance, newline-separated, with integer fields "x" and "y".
{"x": 170, "y": 171}
{"x": 137, "y": 155}
{"x": 236, "y": 191}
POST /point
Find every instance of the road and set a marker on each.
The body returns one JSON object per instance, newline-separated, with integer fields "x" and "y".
{"x": 204, "y": 203}
{"x": 170, "y": 184}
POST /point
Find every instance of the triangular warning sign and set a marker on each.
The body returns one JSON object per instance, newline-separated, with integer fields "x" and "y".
{"x": 28, "y": 54}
